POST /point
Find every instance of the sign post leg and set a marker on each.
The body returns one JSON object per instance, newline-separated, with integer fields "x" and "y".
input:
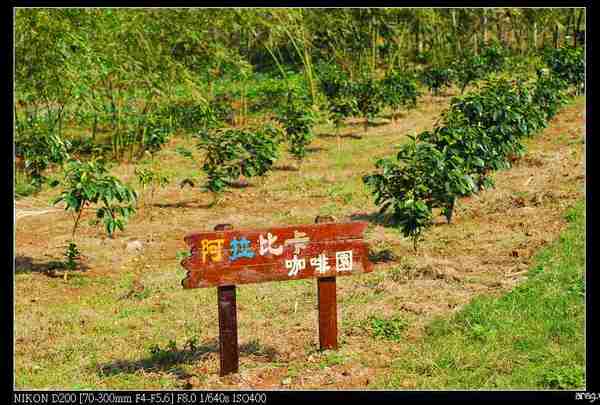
{"x": 327, "y": 313}
{"x": 228, "y": 338}
{"x": 326, "y": 291}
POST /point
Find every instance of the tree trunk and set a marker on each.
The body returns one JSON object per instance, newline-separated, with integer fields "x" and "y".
{"x": 455, "y": 29}
{"x": 570, "y": 23}
{"x": 500, "y": 33}
{"x": 577, "y": 28}
{"x": 535, "y": 36}
{"x": 543, "y": 41}
{"x": 419, "y": 41}
{"x": 484, "y": 21}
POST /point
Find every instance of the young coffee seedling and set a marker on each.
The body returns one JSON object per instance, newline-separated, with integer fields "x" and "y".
{"x": 297, "y": 118}
{"x": 72, "y": 254}
{"x": 398, "y": 91}
{"x": 234, "y": 152}
{"x": 150, "y": 177}
{"x": 88, "y": 183}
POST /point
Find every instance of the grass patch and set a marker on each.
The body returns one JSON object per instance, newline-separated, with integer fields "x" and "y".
{"x": 388, "y": 329}
{"x": 530, "y": 338}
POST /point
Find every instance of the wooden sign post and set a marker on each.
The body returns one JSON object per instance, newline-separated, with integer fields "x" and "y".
{"x": 227, "y": 257}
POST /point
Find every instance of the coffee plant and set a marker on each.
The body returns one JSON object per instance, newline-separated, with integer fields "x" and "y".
{"x": 234, "y": 152}
{"x": 367, "y": 92}
{"x": 88, "y": 183}
{"x": 568, "y": 64}
{"x": 72, "y": 256}
{"x": 333, "y": 81}
{"x": 297, "y": 118}
{"x": 398, "y": 90}
{"x": 191, "y": 115}
{"x": 549, "y": 94}
{"x": 421, "y": 178}
{"x": 480, "y": 132}
{"x": 337, "y": 88}
{"x": 504, "y": 113}
{"x": 437, "y": 78}
{"x": 494, "y": 58}
{"x": 470, "y": 69}
{"x": 39, "y": 146}
{"x": 152, "y": 178}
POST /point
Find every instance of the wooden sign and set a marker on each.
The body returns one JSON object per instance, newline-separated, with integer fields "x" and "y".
{"x": 231, "y": 257}
{"x": 226, "y": 257}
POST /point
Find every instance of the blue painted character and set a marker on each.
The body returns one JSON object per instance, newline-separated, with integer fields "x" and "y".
{"x": 240, "y": 248}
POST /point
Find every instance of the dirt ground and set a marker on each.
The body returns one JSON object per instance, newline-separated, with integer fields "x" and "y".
{"x": 486, "y": 250}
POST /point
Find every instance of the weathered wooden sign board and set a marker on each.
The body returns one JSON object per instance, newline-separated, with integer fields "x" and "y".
{"x": 226, "y": 257}
{"x": 287, "y": 253}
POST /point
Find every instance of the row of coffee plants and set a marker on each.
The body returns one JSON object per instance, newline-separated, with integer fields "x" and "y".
{"x": 568, "y": 64}
{"x": 365, "y": 96}
{"x": 468, "y": 69}
{"x": 480, "y": 132}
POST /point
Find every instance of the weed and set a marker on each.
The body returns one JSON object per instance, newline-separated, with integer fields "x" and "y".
{"x": 564, "y": 378}
{"x": 331, "y": 359}
{"x": 390, "y": 329}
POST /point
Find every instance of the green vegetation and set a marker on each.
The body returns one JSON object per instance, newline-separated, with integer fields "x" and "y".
{"x": 399, "y": 90}
{"x": 437, "y": 78}
{"x": 390, "y": 329}
{"x": 298, "y": 119}
{"x": 234, "y": 152}
{"x": 532, "y": 337}
{"x": 481, "y": 132}
{"x": 89, "y": 183}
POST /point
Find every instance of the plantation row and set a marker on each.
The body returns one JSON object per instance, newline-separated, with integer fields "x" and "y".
{"x": 41, "y": 140}
{"x": 290, "y": 114}
{"x": 136, "y": 123}
{"x": 480, "y": 132}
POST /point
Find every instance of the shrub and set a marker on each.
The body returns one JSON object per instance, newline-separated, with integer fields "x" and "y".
{"x": 297, "y": 118}
{"x": 437, "y": 78}
{"x": 399, "y": 90}
{"x": 567, "y": 64}
{"x": 494, "y": 58}
{"x": 367, "y": 92}
{"x": 235, "y": 152}
{"x": 89, "y": 183}
{"x": 40, "y": 146}
{"x": 549, "y": 94}
{"x": 420, "y": 178}
{"x": 470, "y": 69}
{"x": 191, "y": 115}
{"x": 337, "y": 87}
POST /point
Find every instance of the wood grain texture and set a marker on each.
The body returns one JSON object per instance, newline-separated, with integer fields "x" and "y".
{"x": 327, "y": 300}
{"x": 323, "y": 239}
{"x": 228, "y": 335}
